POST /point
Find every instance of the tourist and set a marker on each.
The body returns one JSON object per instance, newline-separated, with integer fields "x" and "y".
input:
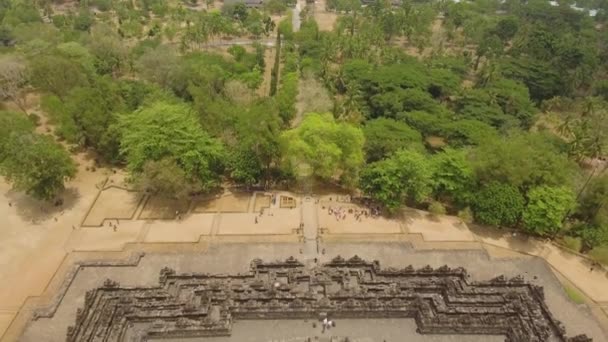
{"x": 114, "y": 228}
{"x": 256, "y": 220}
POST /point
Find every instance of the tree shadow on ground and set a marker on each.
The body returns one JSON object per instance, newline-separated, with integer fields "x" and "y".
{"x": 408, "y": 215}
{"x": 31, "y": 209}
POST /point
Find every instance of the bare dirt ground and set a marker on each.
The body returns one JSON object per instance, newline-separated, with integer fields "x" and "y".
{"x": 163, "y": 208}
{"x": 269, "y": 55}
{"x": 347, "y": 223}
{"x": 261, "y": 202}
{"x": 326, "y": 20}
{"x": 113, "y": 203}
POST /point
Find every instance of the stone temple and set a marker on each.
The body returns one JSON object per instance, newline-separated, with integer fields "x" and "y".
{"x": 228, "y": 273}
{"x": 441, "y": 301}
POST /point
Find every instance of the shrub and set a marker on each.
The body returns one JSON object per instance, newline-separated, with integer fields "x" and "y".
{"x": 600, "y": 254}
{"x": 436, "y": 208}
{"x": 574, "y": 295}
{"x": 466, "y": 215}
{"x": 572, "y": 243}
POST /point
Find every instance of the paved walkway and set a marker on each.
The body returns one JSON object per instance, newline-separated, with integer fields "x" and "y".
{"x": 573, "y": 267}
{"x": 311, "y": 228}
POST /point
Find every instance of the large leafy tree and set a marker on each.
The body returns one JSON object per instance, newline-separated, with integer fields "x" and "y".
{"x": 256, "y": 151}
{"x": 498, "y": 204}
{"x": 587, "y": 130}
{"x": 13, "y": 78}
{"x": 36, "y": 164}
{"x": 453, "y": 176}
{"x": 111, "y": 54}
{"x": 546, "y": 209}
{"x": 164, "y": 130}
{"x": 12, "y": 123}
{"x": 166, "y": 177}
{"x": 331, "y": 149}
{"x": 386, "y": 136}
{"x": 524, "y": 161}
{"x": 56, "y": 74}
{"x": 407, "y": 175}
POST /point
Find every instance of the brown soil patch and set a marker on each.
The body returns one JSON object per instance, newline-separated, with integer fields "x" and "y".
{"x": 326, "y": 20}
{"x": 261, "y": 201}
{"x": 113, "y": 203}
{"x": 163, "y": 208}
{"x": 206, "y": 205}
{"x": 235, "y": 203}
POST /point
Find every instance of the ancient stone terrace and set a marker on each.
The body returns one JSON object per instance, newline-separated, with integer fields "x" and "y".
{"x": 442, "y": 301}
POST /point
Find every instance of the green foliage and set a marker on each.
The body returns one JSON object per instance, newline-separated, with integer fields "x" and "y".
{"x": 21, "y": 12}
{"x": 164, "y": 130}
{"x": 478, "y": 104}
{"x": 436, "y": 208}
{"x": 276, "y": 68}
{"x": 330, "y": 149}
{"x": 12, "y": 123}
{"x": 506, "y": 28}
{"x": 407, "y": 175}
{"x": 384, "y": 136}
{"x": 166, "y": 178}
{"x": 36, "y": 164}
{"x": 524, "y": 161}
{"x": 498, "y": 204}
{"x": 546, "y": 209}
{"x": 56, "y": 75}
{"x": 592, "y": 235}
{"x": 593, "y": 202}
{"x": 574, "y": 295}
{"x": 572, "y": 243}
{"x": 467, "y": 132}
{"x": 600, "y": 254}
{"x": 286, "y": 97}
{"x": 466, "y": 215}
{"x": 513, "y": 98}
{"x": 158, "y": 65}
{"x": 543, "y": 80}
{"x": 253, "y": 158}
{"x": 110, "y": 52}
{"x": 84, "y": 20}
{"x": 453, "y": 175}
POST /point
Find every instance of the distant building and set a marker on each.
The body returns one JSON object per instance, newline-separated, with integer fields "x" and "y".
{"x": 248, "y": 3}
{"x": 254, "y": 3}
{"x": 394, "y": 3}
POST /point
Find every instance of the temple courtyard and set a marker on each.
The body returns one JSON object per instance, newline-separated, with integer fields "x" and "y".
{"x": 51, "y": 257}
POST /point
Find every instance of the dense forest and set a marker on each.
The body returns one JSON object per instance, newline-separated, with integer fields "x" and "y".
{"x": 496, "y": 111}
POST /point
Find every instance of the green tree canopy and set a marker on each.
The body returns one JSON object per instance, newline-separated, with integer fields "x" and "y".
{"x": 407, "y": 175}
{"x": 166, "y": 178}
{"x": 331, "y": 149}
{"x": 524, "y": 161}
{"x": 546, "y": 209}
{"x": 453, "y": 175}
{"x": 15, "y": 123}
{"x": 386, "y": 136}
{"x": 498, "y": 204}
{"x": 56, "y": 75}
{"x": 36, "y": 164}
{"x": 164, "y": 130}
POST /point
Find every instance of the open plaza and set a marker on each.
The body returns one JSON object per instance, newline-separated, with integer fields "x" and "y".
{"x": 111, "y": 233}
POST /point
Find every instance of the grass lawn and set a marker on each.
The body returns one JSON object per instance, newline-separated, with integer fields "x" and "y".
{"x": 574, "y": 295}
